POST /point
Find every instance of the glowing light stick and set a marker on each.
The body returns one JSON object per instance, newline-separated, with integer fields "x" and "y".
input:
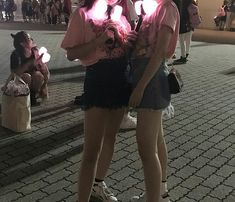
{"x": 142, "y": 8}
{"x": 46, "y": 56}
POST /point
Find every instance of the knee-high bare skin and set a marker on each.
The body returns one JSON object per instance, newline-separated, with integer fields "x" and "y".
{"x": 96, "y": 132}
{"x": 147, "y": 133}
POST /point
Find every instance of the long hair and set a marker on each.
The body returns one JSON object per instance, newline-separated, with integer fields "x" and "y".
{"x": 18, "y": 38}
{"x": 88, "y": 4}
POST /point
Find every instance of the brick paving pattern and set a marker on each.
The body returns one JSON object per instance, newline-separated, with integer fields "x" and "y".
{"x": 42, "y": 164}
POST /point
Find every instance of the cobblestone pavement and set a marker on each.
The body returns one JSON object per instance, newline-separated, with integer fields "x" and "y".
{"x": 41, "y": 165}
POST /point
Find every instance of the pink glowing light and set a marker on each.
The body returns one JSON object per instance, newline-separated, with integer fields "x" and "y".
{"x": 98, "y": 10}
{"x": 138, "y": 7}
{"x": 116, "y": 15}
{"x": 46, "y": 56}
{"x": 149, "y": 6}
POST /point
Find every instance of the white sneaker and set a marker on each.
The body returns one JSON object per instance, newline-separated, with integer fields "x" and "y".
{"x": 164, "y": 193}
{"x": 128, "y": 122}
{"x": 101, "y": 192}
{"x": 140, "y": 198}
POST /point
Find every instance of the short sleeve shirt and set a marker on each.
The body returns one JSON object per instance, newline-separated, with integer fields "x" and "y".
{"x": 83, "y": 29}
{"x": 166, "y": 14}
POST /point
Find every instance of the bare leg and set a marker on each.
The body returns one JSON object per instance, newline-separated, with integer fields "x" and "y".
{"x": 37, "y": 81}
{"x": 148, "y": 126}
{"x": 112, "y": 125}
{"x": 162, "y": 152}
{"x": 94, "y": 130}
{"x": 101, "y": 127}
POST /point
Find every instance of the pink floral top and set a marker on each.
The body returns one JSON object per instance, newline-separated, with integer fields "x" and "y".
{"x": 83, "y": 29}
{"x": 165, "y": 14}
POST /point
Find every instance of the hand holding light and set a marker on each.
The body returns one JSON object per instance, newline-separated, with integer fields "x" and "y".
{"x": 142, "y": 8}
{"x": 45, "y": 55}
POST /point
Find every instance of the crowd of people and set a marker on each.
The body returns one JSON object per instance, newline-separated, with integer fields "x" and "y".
{"x": 7, "y": 7}
{"x": 226, "y": 15}
{"x": 38, "y": 11}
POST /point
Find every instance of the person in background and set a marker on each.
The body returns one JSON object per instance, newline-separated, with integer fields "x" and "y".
{"x": 67, "y": 10}
{"x": 156, "y": 42}
{"x": 26, "y": 62}
{"x": 100, "y": 42}
{"x": 221, "y": 17}
{"x": 1, "y": 10}
{"x": 232, "y": 15}
{"x": 185, "y": 32}
{"x": 24, "y": 6}
{"x": 43, "y": 16}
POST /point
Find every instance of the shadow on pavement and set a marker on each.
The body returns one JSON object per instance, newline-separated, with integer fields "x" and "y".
{"x": 38, "y": 155}
{"x": 47, "y": 113}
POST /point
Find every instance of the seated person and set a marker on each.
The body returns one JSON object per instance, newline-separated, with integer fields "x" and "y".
{"x": 26, "y": 62}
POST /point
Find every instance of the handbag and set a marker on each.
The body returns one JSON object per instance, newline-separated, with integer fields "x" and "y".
{"x": 175, "y": 81}
{"x": 15, "y": 110}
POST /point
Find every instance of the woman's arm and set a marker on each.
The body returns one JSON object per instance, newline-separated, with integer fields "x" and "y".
{"x": 83, "y": 50}
{"x": 159, "y": 54}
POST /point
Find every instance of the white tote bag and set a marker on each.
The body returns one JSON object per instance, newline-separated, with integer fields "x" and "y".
{"x": 16, "y": 113}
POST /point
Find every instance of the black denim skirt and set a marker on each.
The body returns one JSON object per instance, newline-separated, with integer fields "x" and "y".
{"x": 106, "y": 84}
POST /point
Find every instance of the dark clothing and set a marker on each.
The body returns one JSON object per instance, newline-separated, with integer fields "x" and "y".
{"x": 184, "y": 21}
{"x": 106, "y": 84}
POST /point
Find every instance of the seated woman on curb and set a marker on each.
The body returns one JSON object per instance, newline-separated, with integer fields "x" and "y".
{"x": 26, "y": 62}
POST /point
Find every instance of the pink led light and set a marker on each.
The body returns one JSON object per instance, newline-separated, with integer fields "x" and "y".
{"x": 149, "y": 6}
{"x": 138, "y": 7}
{"x": 98, "y": 10}
{"x": 116, "y": 15}
{"x": 46, "y": 56}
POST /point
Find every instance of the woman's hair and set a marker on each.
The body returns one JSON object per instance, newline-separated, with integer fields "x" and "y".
{"x": 18, "y": 38}
{"x": 88, "y": 4}
{"x": 186, "y": 3}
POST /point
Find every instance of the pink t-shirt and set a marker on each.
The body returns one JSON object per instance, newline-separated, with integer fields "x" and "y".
{"x": 82, "y": 29}
{"x": 165, "y": 14}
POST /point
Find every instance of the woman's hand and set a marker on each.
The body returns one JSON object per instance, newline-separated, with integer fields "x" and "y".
{"x": 131, "y": 38}
{"x": 136, "y": 96}
{"x": 38, "y": 60}
{"x": 105, "y": 36}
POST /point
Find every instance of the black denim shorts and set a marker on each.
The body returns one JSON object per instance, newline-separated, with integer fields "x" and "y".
{"x": 106, "y": 84}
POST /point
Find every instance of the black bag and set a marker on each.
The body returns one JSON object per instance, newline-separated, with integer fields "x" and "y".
{"x": 175, "y": 81}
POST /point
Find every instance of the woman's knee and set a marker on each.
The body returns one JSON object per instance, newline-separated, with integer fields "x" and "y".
{"x": 38, "y": 77}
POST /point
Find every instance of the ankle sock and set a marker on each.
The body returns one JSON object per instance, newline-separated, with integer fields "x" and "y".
{"x": 98, "y": 180}
{"x": 164, "y": 190}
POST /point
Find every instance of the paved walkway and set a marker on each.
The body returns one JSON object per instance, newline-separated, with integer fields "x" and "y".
{"x": 41, "y": 165}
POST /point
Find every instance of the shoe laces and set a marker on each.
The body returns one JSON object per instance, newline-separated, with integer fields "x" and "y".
{"x": 106, "y": 190}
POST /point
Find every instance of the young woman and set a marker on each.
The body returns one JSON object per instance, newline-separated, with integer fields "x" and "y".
{"x": 98, "y": 36}
{"x": 26, "y": 62}
{"x": 185, "y": 32}
{"x": 156, "y": 42}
